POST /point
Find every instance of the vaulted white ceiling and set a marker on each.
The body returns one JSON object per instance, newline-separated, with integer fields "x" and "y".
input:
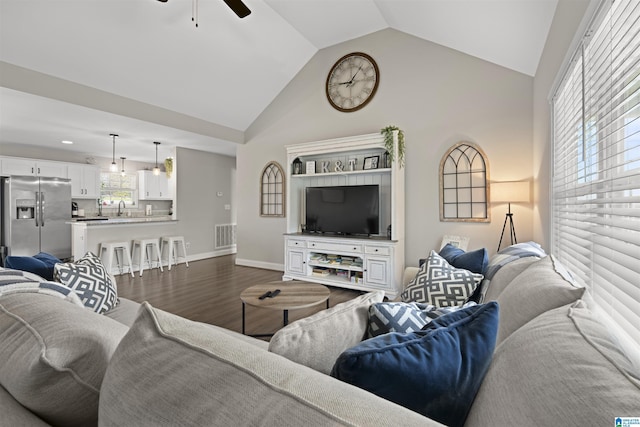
{"x": 133, "y": 57}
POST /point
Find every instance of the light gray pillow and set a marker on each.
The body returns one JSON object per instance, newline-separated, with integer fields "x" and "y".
{"x": 562, "y": 368}
{"x": 317, "y": 341}
{"x": 53, "y": 355}
{"x": 537, "y": 289}
{"x": 170, "y": 371}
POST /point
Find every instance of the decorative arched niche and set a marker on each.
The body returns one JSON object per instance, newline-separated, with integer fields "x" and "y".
{"x": 464, "y": 190}
{"x": 272, "y": 190}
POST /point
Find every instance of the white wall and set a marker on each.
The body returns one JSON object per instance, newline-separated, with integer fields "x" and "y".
{"x": 438, "y": 96}
{"x": 566, "y": 21}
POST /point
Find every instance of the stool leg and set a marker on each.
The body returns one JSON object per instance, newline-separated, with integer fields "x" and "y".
{"x": 127, "y": 255}
{"x": 184, "y": 251}
{"x": 158, "y": 255}
{"x": 118, "y": 260}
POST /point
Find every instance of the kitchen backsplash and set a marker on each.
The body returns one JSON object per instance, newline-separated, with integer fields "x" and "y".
{"x": 159, "y": 208}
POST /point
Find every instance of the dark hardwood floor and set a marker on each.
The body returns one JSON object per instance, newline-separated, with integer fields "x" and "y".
{"x": 209, "y": 291}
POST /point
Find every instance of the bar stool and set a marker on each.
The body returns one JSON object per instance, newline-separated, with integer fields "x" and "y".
{"x": 142, "y": 246}
{"x": 112, "y": 249}
{"x": 173, "y": 243}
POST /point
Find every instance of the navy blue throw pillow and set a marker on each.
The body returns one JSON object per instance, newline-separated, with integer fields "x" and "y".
{"x": 30, "y": 264}
{"x": 435, "y": 372}
{"x": 474, "y": 261}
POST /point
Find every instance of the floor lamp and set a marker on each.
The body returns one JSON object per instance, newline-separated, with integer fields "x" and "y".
{"x": 510, "y": 192}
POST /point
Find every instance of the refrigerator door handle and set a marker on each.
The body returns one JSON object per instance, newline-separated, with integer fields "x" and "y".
{"x": 42, "y": 208}
{"x": 37, "y": 212}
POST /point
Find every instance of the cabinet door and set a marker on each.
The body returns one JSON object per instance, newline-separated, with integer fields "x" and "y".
{"x": 377, "y": 272}
{"x": 19, "y": 167}
{"x": 91, "y": 179}
{"x": 51, "y": 169}
{"x": 148, "y": 185}
{"x": 163, "y": 186}
{"x": 84, "y": 181}
{"x": 75, "y": 175}
{"x": 295, "y": 261}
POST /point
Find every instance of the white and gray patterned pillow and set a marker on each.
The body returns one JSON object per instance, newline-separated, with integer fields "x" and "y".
{"x": 404, "y": 317}
{"x": 16, "y": 281}
{"x": 440, "y": 284}
{"x": 89, "y": 279}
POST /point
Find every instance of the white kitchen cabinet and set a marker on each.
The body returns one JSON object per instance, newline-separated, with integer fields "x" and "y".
{"x": 85, "y": 181}
{"x": 32, "y": 167}
{"x": 153, "y": 187}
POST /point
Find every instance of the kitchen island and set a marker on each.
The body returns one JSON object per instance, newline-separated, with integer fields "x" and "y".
{"x": 88, "y": 233}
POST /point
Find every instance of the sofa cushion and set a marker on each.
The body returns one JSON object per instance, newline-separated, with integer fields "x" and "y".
{"x": 561, "y": 368}
{"x": 53, "y": 356}
{"x": 474, "y": 261}
{"x": 14, "y": 414}
{"x": 439, "y": 283}
{"x": 503, "y": 277}
{"x": 435, "y": 372}
{"x": 537, "y": 289}
{"x": 170, "y": 371}
{"x": 405, "y": 317}
{"x": 317, "y": 341}
{"x": 90, "y": 280}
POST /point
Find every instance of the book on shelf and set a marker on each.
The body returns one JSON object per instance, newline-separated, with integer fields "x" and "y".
{"x": 320, "y": 272}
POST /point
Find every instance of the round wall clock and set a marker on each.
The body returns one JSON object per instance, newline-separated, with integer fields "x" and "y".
{"x": 352, "y": 82}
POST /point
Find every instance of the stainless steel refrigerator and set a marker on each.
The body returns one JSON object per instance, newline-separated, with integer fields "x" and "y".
{"x": 35, "y": 212}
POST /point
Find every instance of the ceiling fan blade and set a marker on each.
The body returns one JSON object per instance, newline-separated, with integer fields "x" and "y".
{"x": 238, "y": 7}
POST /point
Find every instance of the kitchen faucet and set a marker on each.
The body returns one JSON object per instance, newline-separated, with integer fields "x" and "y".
{"x": 100, "y": 207}
{"x": 121, "y": 207}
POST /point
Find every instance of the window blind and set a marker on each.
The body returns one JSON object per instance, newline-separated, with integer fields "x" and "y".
{"x": 596, "y": 164}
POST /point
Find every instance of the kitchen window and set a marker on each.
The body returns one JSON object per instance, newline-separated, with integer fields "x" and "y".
{"x": 115, "y": 187}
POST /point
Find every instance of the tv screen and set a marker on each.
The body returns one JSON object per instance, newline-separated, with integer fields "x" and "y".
{"x": 352, "y": 209}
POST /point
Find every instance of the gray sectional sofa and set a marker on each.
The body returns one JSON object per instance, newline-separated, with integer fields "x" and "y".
{"x": 61, "y": 364}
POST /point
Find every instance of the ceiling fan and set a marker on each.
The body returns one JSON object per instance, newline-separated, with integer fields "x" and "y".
{"x": 237, "y": 6}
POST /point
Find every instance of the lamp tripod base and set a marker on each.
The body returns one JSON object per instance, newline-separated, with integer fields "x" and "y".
{"x": 512, "y": 230}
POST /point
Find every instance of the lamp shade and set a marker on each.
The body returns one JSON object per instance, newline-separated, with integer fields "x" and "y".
{"x": 510, "y": 192}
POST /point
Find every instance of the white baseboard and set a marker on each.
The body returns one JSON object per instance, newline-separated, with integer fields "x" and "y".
{"x": 260, "y": 264}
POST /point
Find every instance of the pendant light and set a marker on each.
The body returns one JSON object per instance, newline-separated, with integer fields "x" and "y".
{"x": 156, "y": 170}
{"x": 122, "y": 172}
{"x": 114, "y": 165}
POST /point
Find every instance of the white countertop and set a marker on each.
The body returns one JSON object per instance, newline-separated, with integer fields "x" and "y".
{"x": 121, "y": 220}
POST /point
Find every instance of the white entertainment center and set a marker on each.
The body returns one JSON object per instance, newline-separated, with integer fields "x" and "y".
{"x": 356, "y": 262}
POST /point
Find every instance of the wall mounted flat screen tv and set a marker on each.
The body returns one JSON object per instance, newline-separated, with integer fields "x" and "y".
{"x": 352, "y": 209}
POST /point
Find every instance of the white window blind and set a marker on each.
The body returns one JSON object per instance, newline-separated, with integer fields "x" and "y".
{"x": 596, "y": 169}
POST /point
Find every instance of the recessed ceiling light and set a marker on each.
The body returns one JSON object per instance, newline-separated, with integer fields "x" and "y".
{"x": 67, "y": 142}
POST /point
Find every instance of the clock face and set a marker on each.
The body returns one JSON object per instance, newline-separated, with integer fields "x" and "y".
{"x": 352, "y": 82}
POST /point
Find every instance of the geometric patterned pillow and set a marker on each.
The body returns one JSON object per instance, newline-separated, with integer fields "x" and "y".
{"x": 90, "y": 280}
{"x": 440, "y": 284}
{"x": 404, "y": 317}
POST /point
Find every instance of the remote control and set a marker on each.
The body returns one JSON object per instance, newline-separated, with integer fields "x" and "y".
{"x": 274, "y": 293}
{"x": 265, "y": 295}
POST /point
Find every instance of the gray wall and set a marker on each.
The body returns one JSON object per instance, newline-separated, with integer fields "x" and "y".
{"x": 438, "y": 96}
{"x": 199, "y": 177}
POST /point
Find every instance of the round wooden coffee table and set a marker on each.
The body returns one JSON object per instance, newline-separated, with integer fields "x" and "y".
{"x": 293, "y": 295}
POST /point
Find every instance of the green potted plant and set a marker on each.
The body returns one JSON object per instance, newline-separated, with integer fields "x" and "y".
{"x": 387, "y": 133}
{"x": 168, "y": 166}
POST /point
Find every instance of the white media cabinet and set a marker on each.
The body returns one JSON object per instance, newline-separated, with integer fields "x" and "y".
{"x": 354, "y": 262}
